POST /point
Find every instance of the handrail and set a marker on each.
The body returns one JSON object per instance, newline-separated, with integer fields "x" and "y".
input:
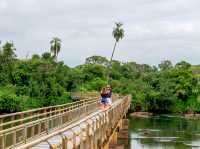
{"x": 43, "y": 108}
{"x": 30, "y": 123}
{"x": 38, "y": 115}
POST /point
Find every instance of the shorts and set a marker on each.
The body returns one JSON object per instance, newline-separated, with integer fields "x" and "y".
{"x": 109, "y": 101}
{"x": 104, "y": 101}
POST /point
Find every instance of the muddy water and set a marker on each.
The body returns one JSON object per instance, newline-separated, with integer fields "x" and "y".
{"x": 163, "y": 132}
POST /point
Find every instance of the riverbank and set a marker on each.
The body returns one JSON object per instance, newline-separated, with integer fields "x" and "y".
{"x": 195, "y": 116}
{"x": 141, "y": 114}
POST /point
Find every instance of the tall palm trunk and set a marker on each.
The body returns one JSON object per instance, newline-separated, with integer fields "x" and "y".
{"x": 110, "y": 64}
{"x": 113, "y": 53}
{"x": 56, "y": 49}
{"x": 56, "y": 53}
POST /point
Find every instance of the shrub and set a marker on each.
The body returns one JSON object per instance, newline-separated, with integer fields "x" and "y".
{"x": 9, "y": 103}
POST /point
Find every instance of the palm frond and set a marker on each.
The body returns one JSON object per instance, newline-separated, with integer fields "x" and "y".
{"x": 55, "y": 46}
{"x": 118, "y": 31}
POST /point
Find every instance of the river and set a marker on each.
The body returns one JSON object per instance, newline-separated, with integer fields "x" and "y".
{"x": 163, "y": 132}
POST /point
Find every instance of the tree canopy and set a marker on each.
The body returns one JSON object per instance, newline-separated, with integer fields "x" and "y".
{"x": 41, "y": 81}
{"x": 55, "y": 47}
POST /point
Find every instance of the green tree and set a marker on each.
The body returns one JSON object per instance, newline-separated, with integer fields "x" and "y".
{"x": 165, "y": 65}
{"x": 7, "y": 62}
{"x": 35, "y": 56}
{"x": 97, "y": 60}
{"x": 55, "y": 47}
{"x": 47, "y": 56}
{"x": 118, "y": 33}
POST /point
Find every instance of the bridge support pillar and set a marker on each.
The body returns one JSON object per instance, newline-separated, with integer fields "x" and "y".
{"x": 114, "y": 138}
{"x": 53, "y": 147}
{"x": 64, "y": 143}
{"x": 88, "y": 143}
{"x": 106, "y": 146}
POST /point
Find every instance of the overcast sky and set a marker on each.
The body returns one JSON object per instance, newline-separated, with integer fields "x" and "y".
{"x": 155, "y": 30}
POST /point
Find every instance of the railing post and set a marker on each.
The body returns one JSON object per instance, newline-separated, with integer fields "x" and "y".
{"x": 39, "y": 127}
{"x": 25, "y": 134}
{"x": 14, "y": 137}
{"x": 47, "y": 125}
{"x": 1, "y": 122}
{"x": 2, "y": 140}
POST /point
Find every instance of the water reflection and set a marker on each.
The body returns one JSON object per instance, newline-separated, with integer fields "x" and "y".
{"x": 164, "y": 132}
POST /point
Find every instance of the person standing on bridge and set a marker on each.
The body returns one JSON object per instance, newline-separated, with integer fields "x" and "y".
{"x": 109, "y": 95}
{"x": 106, "y": 94}
{"x": 104, "y": 101}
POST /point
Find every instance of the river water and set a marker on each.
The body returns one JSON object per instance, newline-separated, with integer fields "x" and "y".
{"x": 163, "y": 132}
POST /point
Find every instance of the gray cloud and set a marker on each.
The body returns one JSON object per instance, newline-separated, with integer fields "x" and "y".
{"x": 155, "y": 29}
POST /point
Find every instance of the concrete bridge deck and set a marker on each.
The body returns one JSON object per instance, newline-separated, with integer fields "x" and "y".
{"x": 75, "y": 125}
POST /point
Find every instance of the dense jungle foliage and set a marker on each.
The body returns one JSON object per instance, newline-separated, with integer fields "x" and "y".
{"x": 43, "y": 81}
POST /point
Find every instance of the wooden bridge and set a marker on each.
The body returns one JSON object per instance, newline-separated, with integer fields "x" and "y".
{"x": 74, "y": 125}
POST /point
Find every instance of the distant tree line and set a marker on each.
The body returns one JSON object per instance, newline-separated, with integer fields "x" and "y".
{"x": 42, "y": 80}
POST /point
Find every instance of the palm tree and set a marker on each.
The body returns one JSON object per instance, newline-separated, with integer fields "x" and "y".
{"x": 55, "y": 47}
{"x": 118, "y": 33}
